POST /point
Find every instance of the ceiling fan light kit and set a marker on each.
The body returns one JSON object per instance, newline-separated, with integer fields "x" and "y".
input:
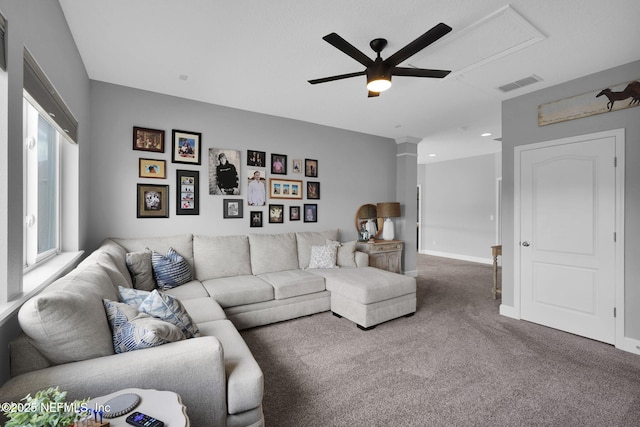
{"x": 379, "y": 71}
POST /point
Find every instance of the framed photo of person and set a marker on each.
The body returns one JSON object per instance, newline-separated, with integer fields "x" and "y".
{"x": 148, "y": 139}
{"x": 297, "y": 166}
{"x": 310, "y": 212}
{"x": 276, "y": 214}
{"x": 232, "y": 208}
{"x": 313, "y": 190}
{"x": 187, "y": 147}
{"x": 279, "y": 164}
{"x": 257, "y": 159}
{"x": 153, "y": 201}
{"x": 255, "y": 219}
{"x": 285, "y": 188}
{"x": 256, "y": 187}
{"x": 294, "y": 213}
{"x": 224, "y": 172}
{"x": 311, "y": 168}
{"x": 188, "y": 197}
{"x": 152, "y": 168}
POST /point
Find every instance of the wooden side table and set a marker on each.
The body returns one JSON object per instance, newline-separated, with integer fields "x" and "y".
{"x": 163, "y": 405}
{"x": 495, "y": 252}
{"x": 383, "y": 254}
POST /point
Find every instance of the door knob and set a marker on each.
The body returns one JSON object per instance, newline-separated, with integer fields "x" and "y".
{"x": 525, "y": 244}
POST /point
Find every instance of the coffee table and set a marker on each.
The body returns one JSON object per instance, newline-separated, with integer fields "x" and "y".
{"x": 166, "y": 406}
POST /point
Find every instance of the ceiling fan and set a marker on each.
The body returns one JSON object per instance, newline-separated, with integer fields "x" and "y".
{"x": 379, "y": 71}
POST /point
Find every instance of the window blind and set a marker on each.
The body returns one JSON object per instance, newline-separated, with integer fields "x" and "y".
{"x": 42, "y": 91}
{"x": 3, "y": 55}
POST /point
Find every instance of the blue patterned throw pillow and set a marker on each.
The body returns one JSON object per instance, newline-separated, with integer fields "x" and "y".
{"x": 169, "y": 309}
{"x": 131, "y": 296}
{"x": 171, "y": 270}
{"x": 135, "y": 331}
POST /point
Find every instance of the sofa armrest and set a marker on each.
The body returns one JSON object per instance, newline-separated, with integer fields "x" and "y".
{"x": 362, "y": 259}
{"x": 193, "y": 368}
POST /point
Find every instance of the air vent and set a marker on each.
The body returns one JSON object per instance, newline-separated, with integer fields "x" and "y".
{"x": 520, "y": 83}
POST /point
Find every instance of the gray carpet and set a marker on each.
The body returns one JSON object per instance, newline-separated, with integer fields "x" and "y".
{"x": 457, "y": 362}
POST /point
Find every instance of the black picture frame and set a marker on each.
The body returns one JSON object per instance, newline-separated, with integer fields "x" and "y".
{"x": 313, "y": 190}
{"x": 294, "y": 213}
{"x": 186, "y": 147}
{"x": 311, "y": 168}
{"x": 187, "y": 192}
{"x": 256, "y": 159}
{"x": 145, "y": 139}
{"x": 278, "y": 164}
{"x": 232, "y": 208}
{"x": 255, "y": 219}
{"x": 276, "y": 214}
{"x": 310, "y": 212}
{"x": 153, "y": 201}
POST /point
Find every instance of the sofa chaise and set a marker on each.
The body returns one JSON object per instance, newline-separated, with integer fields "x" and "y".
{"x": 236, "y": 282}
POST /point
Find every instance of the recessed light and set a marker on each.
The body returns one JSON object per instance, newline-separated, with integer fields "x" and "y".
{"x": 432, "y": 155}
{"x": 486, "y": 134}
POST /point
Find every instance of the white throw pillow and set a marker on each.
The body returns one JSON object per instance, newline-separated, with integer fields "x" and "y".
{"x": 323, "y": 256}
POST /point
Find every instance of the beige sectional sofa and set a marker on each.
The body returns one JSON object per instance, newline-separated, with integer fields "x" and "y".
{"x": 237, "y": 282}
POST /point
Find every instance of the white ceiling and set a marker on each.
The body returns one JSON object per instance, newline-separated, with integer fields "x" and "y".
{"x": 258, "y": 56}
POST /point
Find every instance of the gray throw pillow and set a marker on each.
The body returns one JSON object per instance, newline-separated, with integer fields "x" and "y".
{"x": 346, "y": 253}
{"x": 141, "y": 270}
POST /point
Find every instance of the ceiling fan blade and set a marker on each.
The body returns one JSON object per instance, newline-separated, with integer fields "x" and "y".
{"x": 346, "y": 47}
{"x": 418, "y": 44}
{"x": 418, "y": 72}
{"x": 338, "y": 77}
{"x": 373, "y": 94}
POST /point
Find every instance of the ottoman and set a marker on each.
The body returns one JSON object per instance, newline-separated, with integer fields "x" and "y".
{"x": 369, "y": 296}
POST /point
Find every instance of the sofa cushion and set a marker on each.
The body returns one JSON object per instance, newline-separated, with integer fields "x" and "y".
{"x": 170, "y": 271}
{"x": 141, "y": 270}
{"x": 273, "y": 252}
{"x": 204, "y": 309}
{"x": 323, "y": 256}
{"x": 306, "y": 239}
{"x": 169, "y": 309}
{"x": 292, "y": 283}
{"x": 183, "y": 244}
{"x": 240, "y": 290}
{"x": 221, "y": 256}
{"x": 346, "y": 256}
{"x": 135, "y": 331}
{"x": 192, "y": 289}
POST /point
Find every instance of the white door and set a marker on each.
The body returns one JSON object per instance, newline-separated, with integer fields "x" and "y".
{"x": 567, "y": 248}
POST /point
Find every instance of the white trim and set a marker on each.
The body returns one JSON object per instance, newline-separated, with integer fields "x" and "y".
{"x": 508, "y": 311}
{"x": 631, "y": 345}
{"x": 619, "y": 136}
{"x": 458, "y": 256}
{"x": 411, "y": 273}
{"x": 407, "y": 154}
{"x": 408, "y": 139}
{"x": 419, "y": 195}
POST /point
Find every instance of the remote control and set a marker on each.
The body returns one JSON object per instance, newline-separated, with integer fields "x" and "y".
{"x": 139, "y": 419}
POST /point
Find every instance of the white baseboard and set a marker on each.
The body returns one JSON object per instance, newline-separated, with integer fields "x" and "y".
{"x": 458, "y": 256}
{"x": 631, "y": 345}
{"x": 509, "y": 311}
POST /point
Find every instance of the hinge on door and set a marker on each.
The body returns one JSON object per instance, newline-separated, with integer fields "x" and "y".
{"x": 614, "y": 312}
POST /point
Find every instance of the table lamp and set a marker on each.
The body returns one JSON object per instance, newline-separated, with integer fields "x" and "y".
{"x": 388, "y": 210}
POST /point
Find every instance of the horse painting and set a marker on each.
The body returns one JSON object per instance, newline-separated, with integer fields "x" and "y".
{"x": 631, "y": 91}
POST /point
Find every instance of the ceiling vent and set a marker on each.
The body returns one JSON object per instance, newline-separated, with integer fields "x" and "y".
{"x": 520, "y": 83}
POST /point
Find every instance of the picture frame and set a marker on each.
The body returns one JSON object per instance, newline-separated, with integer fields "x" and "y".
{"x": 257, "y": 159}
{"x": 232, "y": 208}
{"x": 276, "y": 214}
{"x": 187, "y": 192}
{"x": 152, "y": 168}
{"x": 145, "y": 139}
{"x": 279, "y": 164}
{"x": 313, "y": 190}
{"x": 296, "y": 165}
{"x": 294, "y": 213}
{"x": 153, "y": 201}
{"x": 255, "y": 219}
{"x": 285, "y": 188}
{"x": 256, "y": 187}
{"x": 224, "y": 172}
{"x": 310, "y": 212}
{"x": 186, "y": 147}
{"x": 311, "y": 168}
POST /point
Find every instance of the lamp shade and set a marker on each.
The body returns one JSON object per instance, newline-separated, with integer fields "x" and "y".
{"x": 388, "y": 209}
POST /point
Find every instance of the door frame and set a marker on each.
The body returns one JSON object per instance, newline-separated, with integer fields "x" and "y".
{"x": 619, "y": 136}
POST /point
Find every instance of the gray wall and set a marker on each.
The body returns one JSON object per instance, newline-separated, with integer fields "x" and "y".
{"x": 520, "y": 127}
{"x": 458, "y": 200}
{"x": 353, "y": 168}
{"x": 55, "y": 51}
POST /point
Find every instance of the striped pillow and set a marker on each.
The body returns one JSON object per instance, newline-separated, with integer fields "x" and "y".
{"x": 171, "y": 270}
{"x": 169, "y": 309}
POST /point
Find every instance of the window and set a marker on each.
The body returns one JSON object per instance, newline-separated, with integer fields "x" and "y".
{"x": 41, "y": 185}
